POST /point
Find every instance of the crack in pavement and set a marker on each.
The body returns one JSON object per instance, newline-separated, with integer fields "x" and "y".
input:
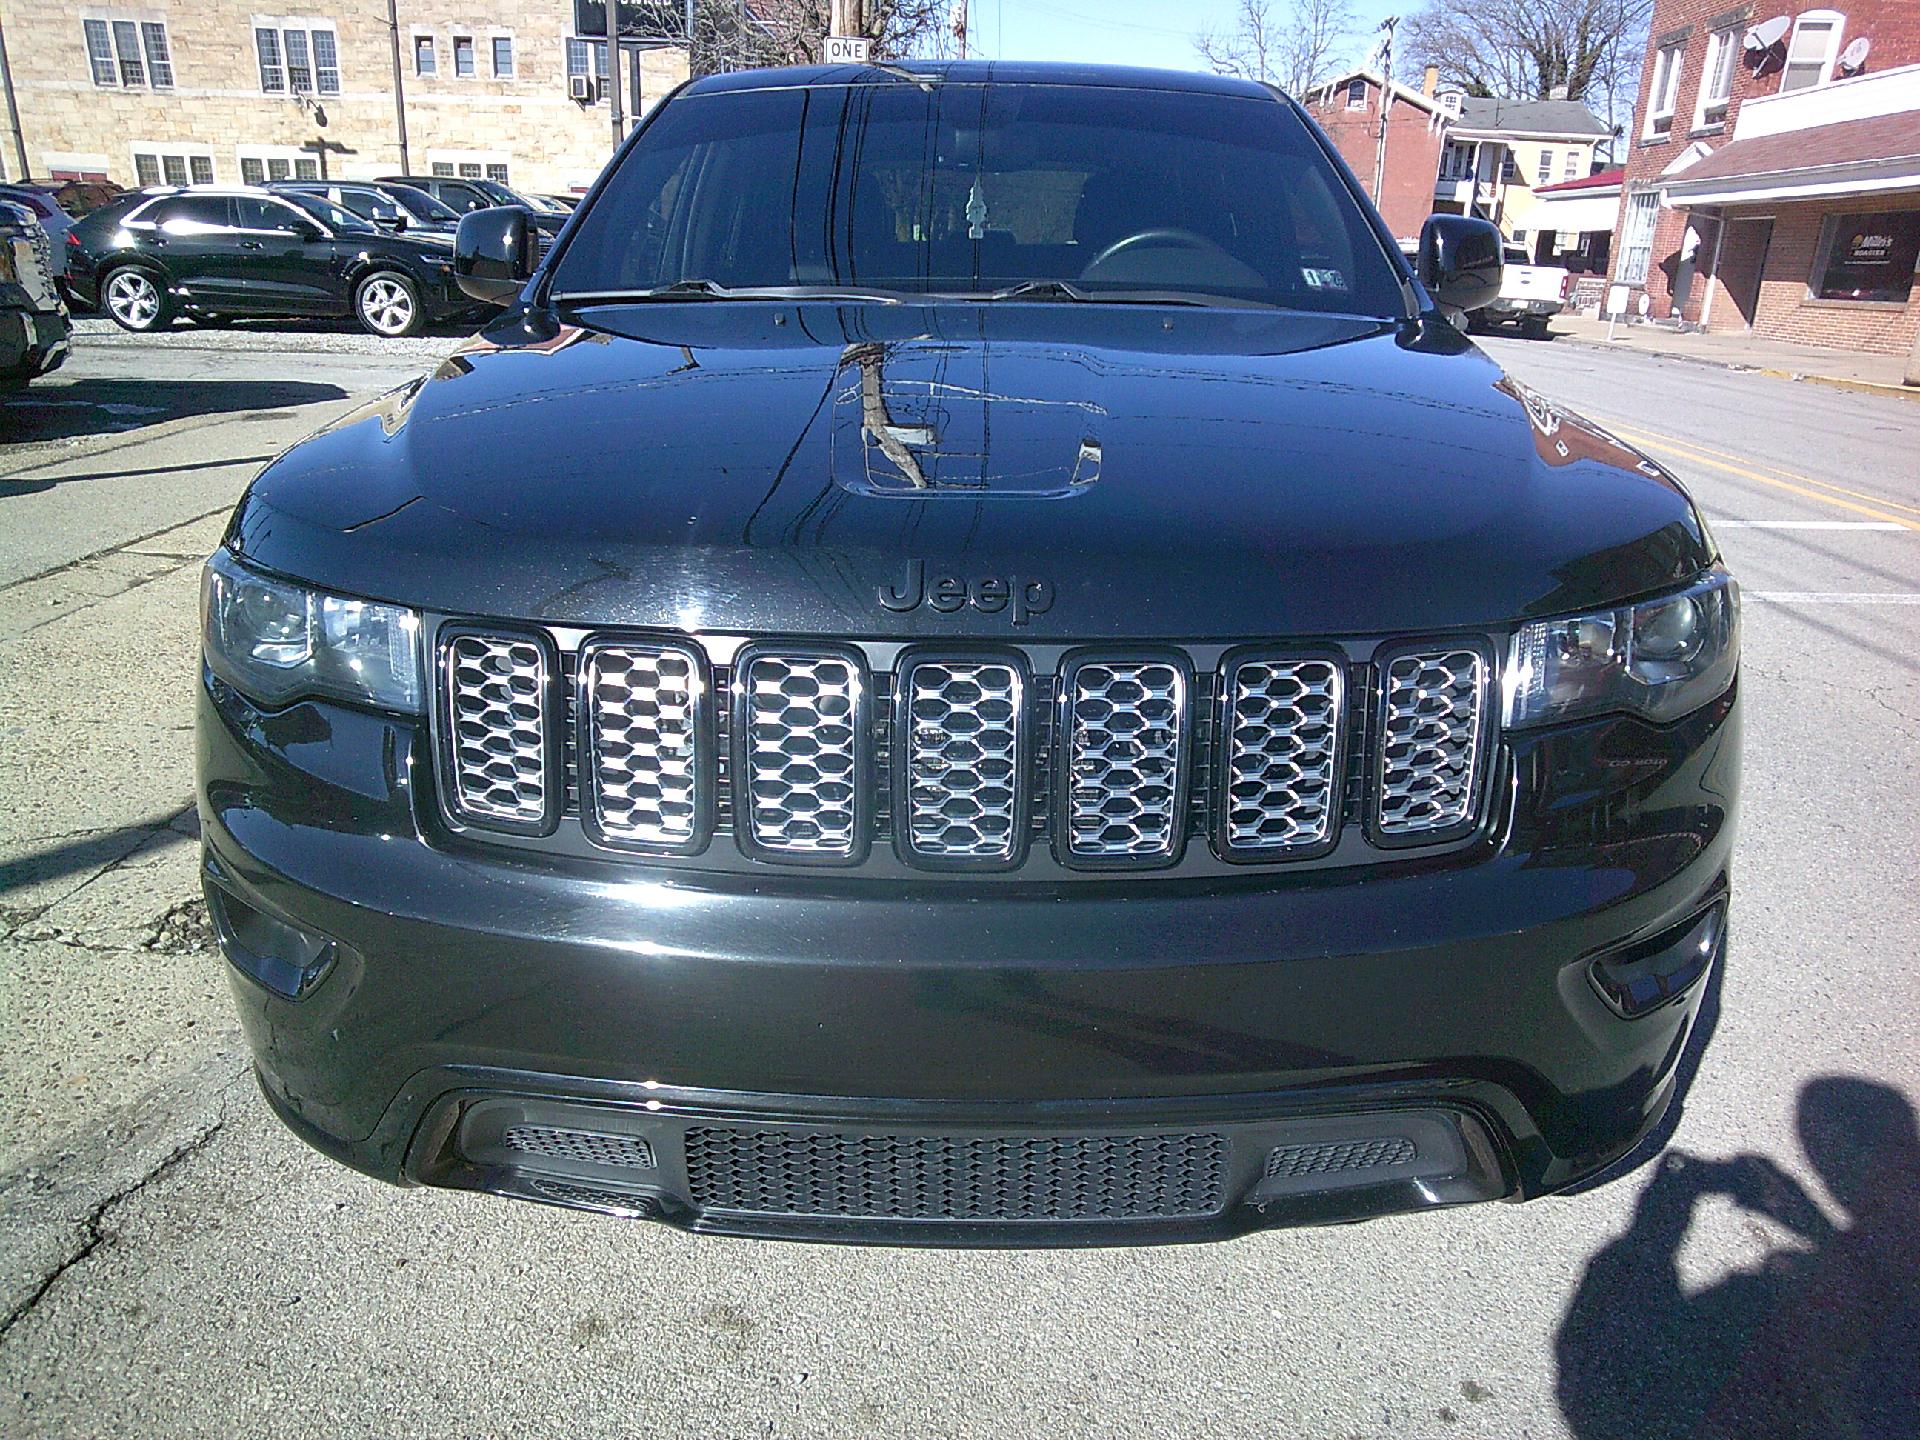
{"x": 93, "y": 1233}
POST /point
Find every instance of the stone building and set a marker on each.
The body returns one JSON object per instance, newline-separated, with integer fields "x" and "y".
{"x": 213, "y": 90}
{"x": 1773, "y": 179}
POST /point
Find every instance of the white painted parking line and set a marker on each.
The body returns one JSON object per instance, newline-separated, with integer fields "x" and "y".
{"x": 1805, "y": 525}
{"x": 1833, "y": 597}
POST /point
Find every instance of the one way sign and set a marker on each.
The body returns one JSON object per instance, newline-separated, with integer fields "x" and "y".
{"x": 848, "y": 50}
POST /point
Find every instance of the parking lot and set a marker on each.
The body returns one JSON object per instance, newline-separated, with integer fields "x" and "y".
{"x": 173, "y": 1261}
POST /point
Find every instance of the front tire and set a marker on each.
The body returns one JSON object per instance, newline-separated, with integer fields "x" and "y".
{"x": 136, "y": 299}
{"x": 387, "y": 303}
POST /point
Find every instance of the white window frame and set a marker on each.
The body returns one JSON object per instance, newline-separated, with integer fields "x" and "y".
{"x": 1571, "y": 169}
{"x": 432, "y": 50}
{"x": 495, "y": 38}
{"x": 1543, "y": 168}
{"x": 469, "y": 164}
{"x": 162, "y": 151}
{"x": 132, "y": 60}
{"x": 1669, "y": 62}
{"x": 1836, "y": 24}
{"x": 280, "y": 27}
{"x": 1356, "y": 88}
{"x": 295, "y": 160}
{"x": 1636, "y": 237}
{"x": 473, "y": 55}
{"x": 1723, "y": 54}
{"x": 596, "y": 62}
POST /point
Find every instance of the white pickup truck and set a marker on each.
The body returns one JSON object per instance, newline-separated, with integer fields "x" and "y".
{"x": 1529, "y": 294}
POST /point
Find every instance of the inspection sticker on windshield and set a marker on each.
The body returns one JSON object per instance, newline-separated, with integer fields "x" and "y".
{"x": 1323, "y": 279}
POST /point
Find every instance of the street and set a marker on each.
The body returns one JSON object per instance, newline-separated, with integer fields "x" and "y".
{"x": 173, "y": 1261}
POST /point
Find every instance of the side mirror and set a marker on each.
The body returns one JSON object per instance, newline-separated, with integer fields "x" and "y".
{"x": 493, "y": 253}
{"x": 1460, "y": 261}
{"x": 397, "y": 222}
{"x": 308, "y": 232}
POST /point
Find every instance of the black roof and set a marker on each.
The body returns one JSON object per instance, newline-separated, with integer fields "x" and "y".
{"x": 979, "y": 72}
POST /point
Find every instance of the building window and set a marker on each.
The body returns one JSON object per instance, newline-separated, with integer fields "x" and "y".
{"x": 1868, "y": 257}
{"x": 1666, "y": 86}
{"x": 1509, "y": 168}
{"x": 1356, "y": 95}
{"x": 253, "y": 170}
{"x": 129, "y": 53}
{"x": 1456, "y": 161}
{"x": 443, "y": 168}
{"x": 100, "y": 52}
{"x": 153, "y": 165}
{"x": 581, "y": 53}
{"x": 126, "y": 44}
{"x": 1543, "y": 172}
{"x": 1716, "y": 81}
{"x": 497, "y": 173}
{"x": 503, "y": 57}
{"x": 1572, "y": 172}
{"x": 463, "y": 61}
{"x": 1816, "y": 40}
{"x": 425, "y": 62}
{"x": 469, "y": 170}
{"x": 1636, "y": 244}
{"x": 299, "y": 59}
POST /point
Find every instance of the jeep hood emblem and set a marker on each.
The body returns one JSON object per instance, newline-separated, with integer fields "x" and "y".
{"x": 1021, "y": 596}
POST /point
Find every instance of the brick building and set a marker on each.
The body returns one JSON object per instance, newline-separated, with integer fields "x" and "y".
{"x": 215, "y": 90}
{"x": 1399, "y": 175}
{"x": 1457, "y": 154}
{"x": 1773, "y": 176}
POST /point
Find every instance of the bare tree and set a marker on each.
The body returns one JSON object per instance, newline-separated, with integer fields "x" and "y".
{"x": 1292, "y": 45}
{"x": 1529, "y": 49}
{"x": 742, "y": 34}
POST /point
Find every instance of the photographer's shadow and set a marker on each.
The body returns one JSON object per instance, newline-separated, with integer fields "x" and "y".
{"x": 1822, "y": 1342}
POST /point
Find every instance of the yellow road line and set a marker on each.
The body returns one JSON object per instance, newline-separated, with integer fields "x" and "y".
{"x": 1685, "y": 453}
{"x": 1640, "y": 436}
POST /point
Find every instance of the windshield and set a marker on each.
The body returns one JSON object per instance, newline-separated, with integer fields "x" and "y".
{"x": 1077, "y": 192}
{"x": 501, "y": 195}
{"x": 369, "y": 204}
{"x": 420, "y": 205}
{"x": 330, "y": 214}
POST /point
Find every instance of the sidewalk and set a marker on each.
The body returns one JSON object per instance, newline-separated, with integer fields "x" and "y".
{"x": 1879, "y": 374}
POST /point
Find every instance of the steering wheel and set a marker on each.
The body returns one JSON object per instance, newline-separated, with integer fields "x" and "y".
{"x": 1160, "y": 235}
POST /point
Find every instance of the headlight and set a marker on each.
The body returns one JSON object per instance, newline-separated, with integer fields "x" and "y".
{"x": 274, "y": 641}
{"x": 1660, "y": 659}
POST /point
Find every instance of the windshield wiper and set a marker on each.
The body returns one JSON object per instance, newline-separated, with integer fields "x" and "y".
{"x": 1039, "y": 290}
{"x": 1066, "y": 290}
{"x": 697, "y": 289}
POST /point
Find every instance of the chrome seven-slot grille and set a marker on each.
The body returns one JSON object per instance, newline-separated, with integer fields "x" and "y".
{"x": 964, "y": 758}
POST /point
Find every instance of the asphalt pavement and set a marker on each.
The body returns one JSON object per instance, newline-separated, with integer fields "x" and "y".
{"x": 173, "y": 1262}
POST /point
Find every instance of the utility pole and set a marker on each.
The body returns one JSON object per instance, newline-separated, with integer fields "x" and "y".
{"x": 399, "y": 90}
{"x": 960, "y": 27}
{"x": 13, "y": 109}
{"x": 1386, "y": 106}
{"x": 613, "y": 70}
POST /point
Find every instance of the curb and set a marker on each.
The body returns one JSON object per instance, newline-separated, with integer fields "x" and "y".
{"x": 1866, "y": 387}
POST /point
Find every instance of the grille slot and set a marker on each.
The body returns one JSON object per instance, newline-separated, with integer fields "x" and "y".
{"x": 498, "y": 743}
{"x": 646, "y": 740}
{"x": 1293, "y": 1161}
{"x": 802, "y": 736}
{"x": 1125, "y": 727}
{"x": 1281, "y": 772}
{"x": 962, "y": 768}
{"x": 1431, "y": 708}
{"x": 934, "y": 1177}
{"x": 589, "y": 1147}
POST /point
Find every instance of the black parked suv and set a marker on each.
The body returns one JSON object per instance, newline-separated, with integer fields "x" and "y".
{"x": 217, "y": 254}
{"x": 465, "y": 194}
{"x": 397, "y": 209}
{"x": 974, "y": 660}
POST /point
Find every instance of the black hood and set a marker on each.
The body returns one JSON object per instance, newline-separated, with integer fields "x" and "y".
{"x": 1161, "y": 472}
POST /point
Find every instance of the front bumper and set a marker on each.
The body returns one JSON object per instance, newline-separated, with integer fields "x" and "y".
{"x": 32, "y": 343}
{"x": 1451, "y": 998}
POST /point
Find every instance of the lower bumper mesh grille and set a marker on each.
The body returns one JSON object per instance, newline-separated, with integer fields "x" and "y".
{"x": 1290, "y": 1161}
{"x": 933, "y": 1177}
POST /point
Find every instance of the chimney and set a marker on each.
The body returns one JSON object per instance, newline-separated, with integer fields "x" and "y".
{"x": 1430, "y": 81}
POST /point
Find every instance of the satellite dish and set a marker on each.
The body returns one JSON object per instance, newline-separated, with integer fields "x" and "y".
{"x": 1768, "y": 33}
{"x": 1854, "y": 56}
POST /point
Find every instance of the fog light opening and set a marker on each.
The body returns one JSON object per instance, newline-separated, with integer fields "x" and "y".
{"x": 283, "y": 958}
{"x": 1640, "y": 980}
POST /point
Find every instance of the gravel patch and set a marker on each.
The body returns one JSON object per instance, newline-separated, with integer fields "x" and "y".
{"x": 298, "y": 336}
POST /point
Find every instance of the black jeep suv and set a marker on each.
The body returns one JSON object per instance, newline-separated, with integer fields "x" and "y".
{"x": 220, "y": 254}
{"x": 974, "y": 660}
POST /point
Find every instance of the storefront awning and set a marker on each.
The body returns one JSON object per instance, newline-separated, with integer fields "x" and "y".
{"x": 1876, "y": 156}
{"x": 1576, "y": 212}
